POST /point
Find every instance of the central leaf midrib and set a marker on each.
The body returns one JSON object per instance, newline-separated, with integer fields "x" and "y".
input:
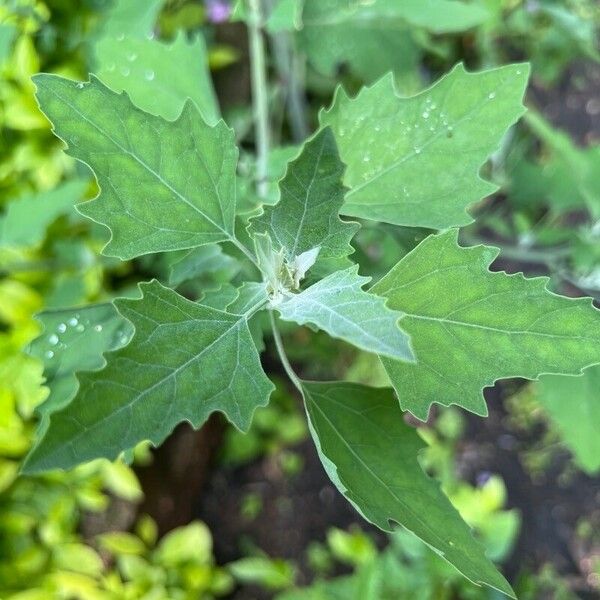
{"x": 493, "y": 329}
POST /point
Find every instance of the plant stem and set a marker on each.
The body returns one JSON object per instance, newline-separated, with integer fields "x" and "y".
{"x": 283, "y": 356}
{"x": 259, "y": 93}
{"x": 290, "y": 70}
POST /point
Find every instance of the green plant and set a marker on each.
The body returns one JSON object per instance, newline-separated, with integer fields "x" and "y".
{"x": 443, "y": 325}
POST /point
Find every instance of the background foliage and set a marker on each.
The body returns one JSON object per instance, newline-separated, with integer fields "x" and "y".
{"x": 543, "y": 217}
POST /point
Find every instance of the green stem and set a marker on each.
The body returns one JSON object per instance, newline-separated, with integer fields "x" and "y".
{"x": 290, "y": 70}
{"x": 259, "y": 94}
{"x": 283, "y": 356}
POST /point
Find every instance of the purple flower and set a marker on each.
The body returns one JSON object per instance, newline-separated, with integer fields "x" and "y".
{"x": 217, "y": 11}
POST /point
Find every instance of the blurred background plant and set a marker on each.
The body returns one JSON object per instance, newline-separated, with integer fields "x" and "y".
{"x": 85, "y": 534}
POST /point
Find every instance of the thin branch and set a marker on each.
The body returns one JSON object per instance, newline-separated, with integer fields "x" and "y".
{"x": 290, "y": 69}
{"x": 259, "y": 94}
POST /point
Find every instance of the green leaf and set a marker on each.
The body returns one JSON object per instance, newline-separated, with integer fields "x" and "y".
{"x": 437, "y": 16}
{"x": 165, "y": 185}
{"x": 27, "y": 218}
{"x": 159, "y": 77}
{"x": 132, "y": 17}
{"x": 334, "y": 35}
{"x": 184, "y": 362}
{"x": 249, "y": 295}
{"x": 571, "y": 174}
{"x": 307, "y": 214}
{"x": 338, "y": 305}
{"x": 202, "y": 263}
{"x": 415, "y": 161}
{"x": 470, "y": 327}
{"x": 286, "y": 15}
{"x": 75, "y": 339}
{"x": 189, "y": 544}
{"x": 220, "y": 297}
{"x": 573, "y": 403}
{"x": 373, "y": 38}
{"x": 371, "y": 456}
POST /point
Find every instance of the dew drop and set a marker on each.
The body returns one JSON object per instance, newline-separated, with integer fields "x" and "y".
{"x": 519, "y": 72}
{"x": 377, "y": 128}
{"x": 111, "y": 67}
{"x": 98, "y": 328}
{"x": 49, "y": 354}
{"x": 149, "y": 75}
{"x": 120, "y": 37}
{"x": 80, "y": 86}
{"x": 131, "y": 56}
{"x": 492, "y": 95}
{"x": 80, "y": 328}
{"x": 125, "y": 71}
{"x": 417, "y": 150}
{"x": 366, "y": 158}
{"x": 73, "y": 321}
{"x": 61, "y": 328}
{"x": 53, "y": 339}
{"x": 425, "y": 115}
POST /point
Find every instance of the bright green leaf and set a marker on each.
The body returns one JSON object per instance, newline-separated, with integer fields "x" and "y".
{"x": 165, "y": 185}
{"x": 573, "y": 403}
{"x": 26, "y": 219}
{"x": 371, "y": 456}
{"x": 338, "y": 305}
{"x": 184, "y": 362}
{"x": 307, "y": 214}
{"x": 470, "y": 327}
{"x": 159, "y": 77}
{"x": 190, "y": 543}
{"x": 415, "y": 161}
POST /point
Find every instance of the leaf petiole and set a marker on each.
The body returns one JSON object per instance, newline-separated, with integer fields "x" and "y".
{"x": 282, "y": 355}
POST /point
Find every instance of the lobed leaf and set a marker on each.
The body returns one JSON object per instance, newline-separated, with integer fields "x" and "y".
{"x": 184, "y": 362}
{"x": 470, "y": 327}
{"x": 415, "y": 161}
{"x": 307, "y": 214}
{"x": 164, "y": 185}
{"x": 159, "y": 77}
